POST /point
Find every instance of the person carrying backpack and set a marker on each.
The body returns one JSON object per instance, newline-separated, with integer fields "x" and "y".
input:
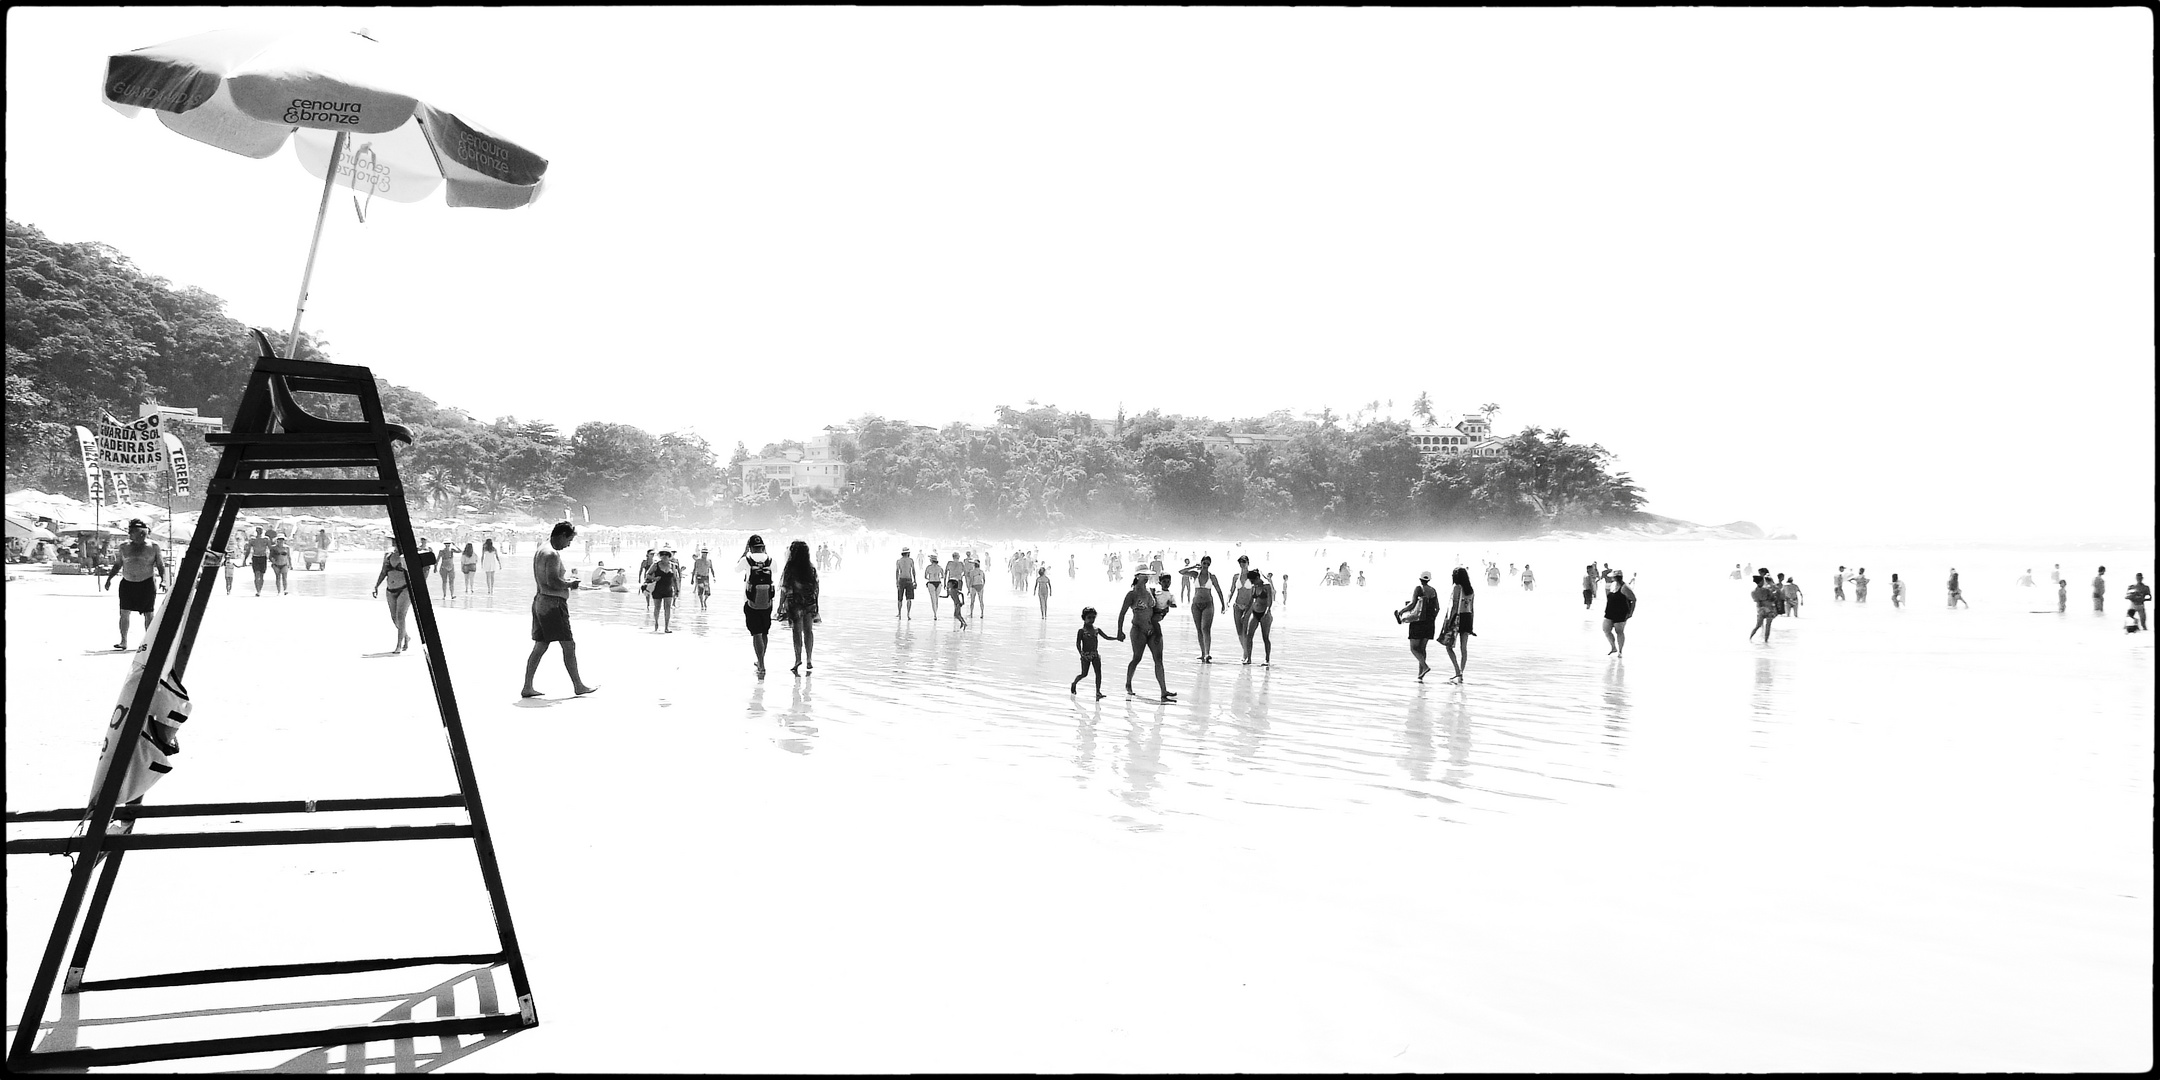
{"x": 756, "y": 569}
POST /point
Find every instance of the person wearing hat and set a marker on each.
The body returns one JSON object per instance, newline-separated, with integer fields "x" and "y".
{"x": 138, "y": 562}
{"x": 281, "y": 562}
{"x": 662, "y": 576}
{"x": 1423, "y": 608}
{"x": 904, "y": 584}
{"x": 759, "y": 593}
{"x": 701, "y": 572}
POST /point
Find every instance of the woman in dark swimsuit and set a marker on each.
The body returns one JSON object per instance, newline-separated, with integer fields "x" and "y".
{"x": 394, "y": 563}
{"x": 1145, "y": 631}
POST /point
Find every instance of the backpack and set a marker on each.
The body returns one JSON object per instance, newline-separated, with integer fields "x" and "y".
{"x": 759, "y": 588}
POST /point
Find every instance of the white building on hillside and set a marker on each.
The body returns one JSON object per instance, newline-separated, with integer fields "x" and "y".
{"x": 1468, "y": 436}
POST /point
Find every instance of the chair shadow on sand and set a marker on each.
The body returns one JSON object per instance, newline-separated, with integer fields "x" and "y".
{"x": 394, "y": 1055}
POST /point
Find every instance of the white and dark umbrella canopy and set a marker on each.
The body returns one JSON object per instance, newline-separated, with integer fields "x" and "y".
{"x": 20, "y": 529}
{"x": 251, "y": 91}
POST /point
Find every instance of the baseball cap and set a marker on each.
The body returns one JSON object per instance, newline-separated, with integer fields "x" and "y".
{"x": 1426, "y": 576}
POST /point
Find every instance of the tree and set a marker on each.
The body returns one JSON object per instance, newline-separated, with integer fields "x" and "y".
{"x": 1422, "y": 407}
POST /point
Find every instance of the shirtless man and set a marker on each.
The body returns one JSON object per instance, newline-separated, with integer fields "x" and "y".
{"x": 2100, "y": 590}
{"x": 258, "y": 547}
{"x": 904, "y": 585}
{"x": 551, "y": 611}
{"x": 701, "y": 573}
{"x": 139, "y": 561}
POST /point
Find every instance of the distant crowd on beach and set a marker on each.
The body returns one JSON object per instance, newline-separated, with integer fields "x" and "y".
{"x": 1776, "y": 595}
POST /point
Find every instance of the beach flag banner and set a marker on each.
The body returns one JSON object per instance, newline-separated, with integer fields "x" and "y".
{"x": 131, "y": 445}
{"x": 176, "y": 456}
{"x": 88, "y": 443}
{"x": 116, "y": 488}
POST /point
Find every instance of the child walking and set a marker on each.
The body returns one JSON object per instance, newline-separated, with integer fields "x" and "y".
{"x": 1042, "y": 589}
{"x": 1089, "y": 657}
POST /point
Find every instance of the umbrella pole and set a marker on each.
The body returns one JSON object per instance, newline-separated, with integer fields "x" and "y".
{"x": 337, "y": 154}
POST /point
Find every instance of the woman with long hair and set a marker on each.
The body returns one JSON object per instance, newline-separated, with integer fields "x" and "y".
{"x": 1462, "y": 605}
{"x": 490, "y": 561}
{"x": 799, "y": 603}
{"x": 469, "y": 562}
{"x": 400, "y": 603}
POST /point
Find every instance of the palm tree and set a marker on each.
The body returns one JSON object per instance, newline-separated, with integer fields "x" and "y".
{"x": 1422, "y": 407}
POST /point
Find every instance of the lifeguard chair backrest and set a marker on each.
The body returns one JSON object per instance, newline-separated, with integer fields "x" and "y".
{"x": 290, "y": 418}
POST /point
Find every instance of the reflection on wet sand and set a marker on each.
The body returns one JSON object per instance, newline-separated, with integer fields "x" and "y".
{"x": 1417, "y": 756}
{"x": 1616, "y": 703}
{"x": 1249, "y": 718}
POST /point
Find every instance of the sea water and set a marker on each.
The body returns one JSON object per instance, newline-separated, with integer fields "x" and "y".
{"x": 1887, "y": 838}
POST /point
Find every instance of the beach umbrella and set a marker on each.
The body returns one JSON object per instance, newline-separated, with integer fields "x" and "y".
{"x": 19, "y": 529}
{"x": 33, "y": 503}
{"x": 106, "y": 531}
{"x": 337, "y": 96}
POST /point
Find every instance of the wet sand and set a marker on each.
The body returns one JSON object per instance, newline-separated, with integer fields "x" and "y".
{"x": 1912, "y": 839}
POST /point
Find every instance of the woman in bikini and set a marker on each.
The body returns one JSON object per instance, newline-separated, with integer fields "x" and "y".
{"x": 394, "y": 563}
{"x": 1202, "y": 579}
{"x": 1261, "y": 619}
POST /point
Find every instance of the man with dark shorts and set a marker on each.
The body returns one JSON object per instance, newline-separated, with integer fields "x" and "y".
{"x": 1420, "y": 613}
{"x": 259, "y": 556}
{"x": 141, "y": 567}
{"x": 904, "y": 584}
{"x": 551, "y": 611}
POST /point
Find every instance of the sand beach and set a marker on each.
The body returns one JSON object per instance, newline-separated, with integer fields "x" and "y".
{"x": 1892, "y": 840}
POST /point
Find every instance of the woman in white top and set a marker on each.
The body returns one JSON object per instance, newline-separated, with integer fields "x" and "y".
{"x": 490, "y": 561}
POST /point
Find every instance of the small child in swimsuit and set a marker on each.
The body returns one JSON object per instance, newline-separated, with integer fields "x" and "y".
{"x": 1089, "y": 656}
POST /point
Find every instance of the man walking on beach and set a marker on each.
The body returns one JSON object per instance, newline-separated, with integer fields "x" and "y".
{"x": 1837, "y": 584}
{"x": 904, "y": 584}
{"x": 139, "y": 559}
{"x": 259, "y": 556}
{"x": 2100, "y": 590}
{"x": 551, "y": 611}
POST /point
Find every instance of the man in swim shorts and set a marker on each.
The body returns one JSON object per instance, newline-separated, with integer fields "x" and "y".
{"x": 259, "y": 556}
{"x": 139, "y": 561}
{"x": 551, "y": 611}
{"x": 904, "y": 584}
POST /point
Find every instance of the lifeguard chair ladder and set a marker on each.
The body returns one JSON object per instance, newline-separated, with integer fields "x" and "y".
{"x": 270, "y": 433}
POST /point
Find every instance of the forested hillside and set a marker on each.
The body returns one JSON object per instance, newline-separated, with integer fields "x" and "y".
{"x": 88, "y": 331}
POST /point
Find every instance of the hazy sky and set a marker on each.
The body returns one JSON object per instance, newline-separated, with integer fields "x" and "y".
{"x": 1847, "y": 272}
